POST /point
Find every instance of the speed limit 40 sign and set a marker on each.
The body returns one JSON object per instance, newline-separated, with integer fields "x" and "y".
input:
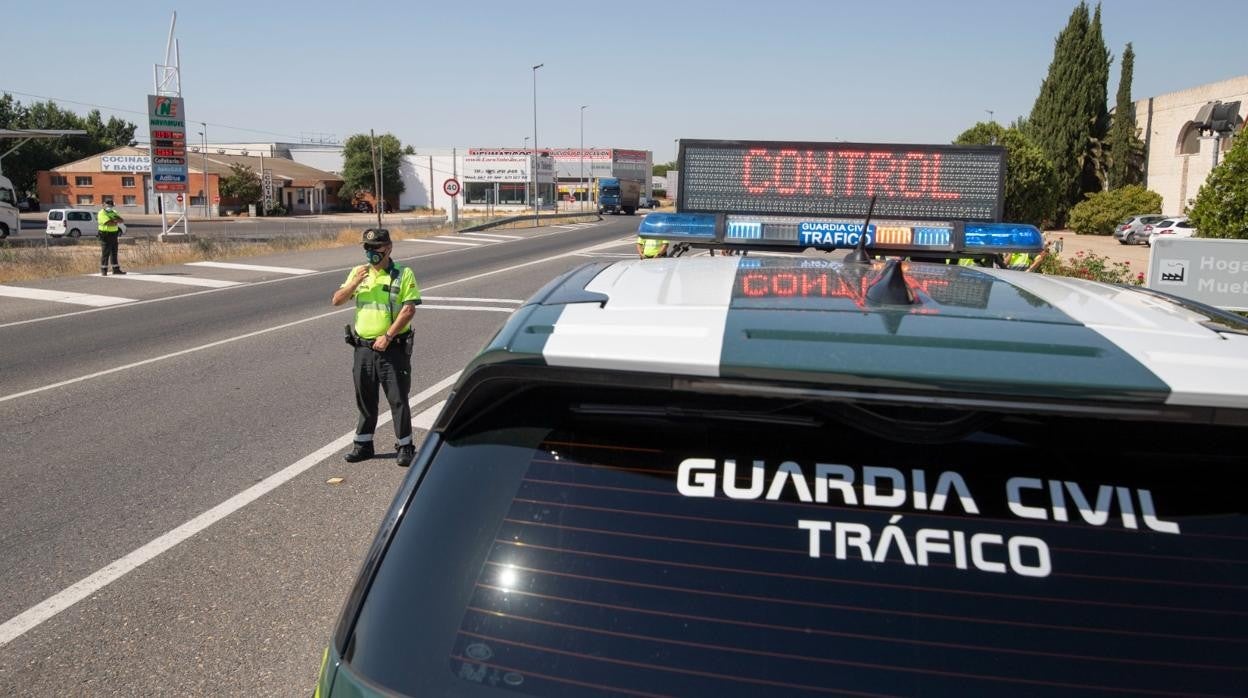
{"x": 451, "y": 187}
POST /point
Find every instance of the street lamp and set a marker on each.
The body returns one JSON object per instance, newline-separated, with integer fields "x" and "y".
{"x": 534, "y": 161}
{"x": 584, "y": 188}
{"x": 204, "y": 134}
{"x": 526, "y": 181}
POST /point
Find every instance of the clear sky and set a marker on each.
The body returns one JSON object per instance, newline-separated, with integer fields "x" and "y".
{"x": 452, "y": 73}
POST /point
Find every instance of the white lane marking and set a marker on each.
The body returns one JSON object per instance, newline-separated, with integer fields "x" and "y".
{"x": 493, "y": 236}
{"x": 177, "y": 280}
{"x": 41, "y": 612}
{"x": 565, "y": 227}
{"x": 426, "y": 306}
{"x": 227, "y": 340}
{"x": 444, "y": 242}
{"x": 472, "y": 300}
{"x": 621, "y": 255}
{"x": 251, "y": 267}
{"x": 425, "y": 419}
{"x": 39, "y": 294}
{"x": 340, "y": 270}
{"x": 456, "y": 238}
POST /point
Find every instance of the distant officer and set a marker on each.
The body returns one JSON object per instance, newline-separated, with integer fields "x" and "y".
{"x": 649, "y": 249}
{"x": 108, "y": 228}
{"x": 386, "y": 296}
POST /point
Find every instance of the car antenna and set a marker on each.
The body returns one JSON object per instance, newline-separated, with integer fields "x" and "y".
{"x": 859, "y": 253}
{"x": 891, "y": 287}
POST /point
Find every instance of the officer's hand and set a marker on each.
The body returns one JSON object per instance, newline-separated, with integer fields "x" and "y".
{"x": 381, "y": 343}
{"x": 361, "y": 273}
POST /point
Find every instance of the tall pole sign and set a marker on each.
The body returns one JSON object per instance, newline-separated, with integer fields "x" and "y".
{"x": 167, "y": 121}
{"x": 166, "y": 118}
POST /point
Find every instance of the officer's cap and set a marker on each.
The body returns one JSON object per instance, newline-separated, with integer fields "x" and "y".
{"x": 376, "y": 237}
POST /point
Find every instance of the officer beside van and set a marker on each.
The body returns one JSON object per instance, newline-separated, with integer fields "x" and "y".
{"x": 108, "y": 228}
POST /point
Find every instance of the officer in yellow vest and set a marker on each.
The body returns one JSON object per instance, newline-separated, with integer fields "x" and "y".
{"x": 108, "y": 227}
{"x": 649, "y": 249}
{"x": 386, "y": 296}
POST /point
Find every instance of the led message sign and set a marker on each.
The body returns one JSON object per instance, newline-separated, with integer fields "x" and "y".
{"x": 836, "y": 180}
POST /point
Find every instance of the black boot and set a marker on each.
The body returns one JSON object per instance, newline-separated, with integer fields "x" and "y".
{"x": 117, "y": 270}
{"x": 363, "y": 451}
{"x": 406, "y": 454}
{"x": 103, "y": 271}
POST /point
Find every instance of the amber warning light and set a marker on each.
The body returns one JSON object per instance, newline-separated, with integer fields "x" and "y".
{"x": 910, "y": 182}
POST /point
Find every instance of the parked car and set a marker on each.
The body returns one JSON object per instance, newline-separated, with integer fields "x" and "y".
{"x": 1131, "y": 231}
{"x": 28, "y": 204}
{"x": 1179, "y": 227}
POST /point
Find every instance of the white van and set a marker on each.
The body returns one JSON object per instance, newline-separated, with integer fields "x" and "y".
{"x": 74, "y": 222}
{"x": 10, "y": 221}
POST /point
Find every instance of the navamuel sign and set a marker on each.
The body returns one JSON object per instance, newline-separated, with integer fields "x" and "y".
{"x": 837, "y": 180}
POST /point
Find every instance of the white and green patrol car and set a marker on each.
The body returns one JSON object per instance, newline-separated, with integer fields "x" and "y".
{"x": 800, "y": 475}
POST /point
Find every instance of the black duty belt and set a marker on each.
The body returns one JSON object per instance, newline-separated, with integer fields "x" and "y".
{"x": 367, "y": 342}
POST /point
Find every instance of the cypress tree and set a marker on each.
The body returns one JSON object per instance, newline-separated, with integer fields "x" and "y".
{"x": 1095, "y": 87}
{"x": 1124, "y": 145}
{"x": 1060, "y": 123}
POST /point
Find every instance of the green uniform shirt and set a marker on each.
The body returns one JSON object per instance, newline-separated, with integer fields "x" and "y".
{"x": 373, "y": 299}
{"x": 106, "y": 221}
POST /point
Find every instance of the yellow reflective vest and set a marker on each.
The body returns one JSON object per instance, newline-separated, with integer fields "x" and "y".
{"x": 650, "y": 247}
{"x": 379, "y": 298}
{"x": 106, "y": 221}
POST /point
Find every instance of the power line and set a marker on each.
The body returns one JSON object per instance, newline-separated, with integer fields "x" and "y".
{"x": 286, "y": 136}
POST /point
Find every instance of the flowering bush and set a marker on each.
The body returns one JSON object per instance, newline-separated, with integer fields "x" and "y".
{"x": 1089, "y": 265}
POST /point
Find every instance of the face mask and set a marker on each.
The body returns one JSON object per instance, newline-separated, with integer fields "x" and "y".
{"x": 374, "y": 256}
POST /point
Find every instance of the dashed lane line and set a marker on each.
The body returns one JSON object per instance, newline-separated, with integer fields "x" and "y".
{"x": 252, "y": 267}
{"x": 174, "y": 279}
{"x": 39, "y": 294}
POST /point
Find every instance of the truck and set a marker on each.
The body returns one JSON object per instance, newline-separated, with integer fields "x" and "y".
{"x": 10, "y": 221}
{"x": 616, "y": 195}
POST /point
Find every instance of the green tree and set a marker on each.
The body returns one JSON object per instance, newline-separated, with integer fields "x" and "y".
{"x": 1221, "y": 207}
{"x": 33, "y": 156}
{"x": 357, "y": 167}
{"x": 241, "y": 183}
{"x": 1030, "y": 185}
{"x": 1100, "y": 211}
{"x": 1068, "y": 118}
{"x": 1126, "y": 150}
{"x": 663, "y": 169}
{"x": 1095, "y": 90}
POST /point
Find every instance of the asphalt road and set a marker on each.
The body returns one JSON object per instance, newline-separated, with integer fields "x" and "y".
{"x": 140, "y": 226}
{"x": 121, "y": 424}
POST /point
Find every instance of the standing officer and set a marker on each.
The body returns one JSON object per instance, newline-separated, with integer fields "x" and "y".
{"x": 108, "y": 227}
{"x": 386, "y": 296}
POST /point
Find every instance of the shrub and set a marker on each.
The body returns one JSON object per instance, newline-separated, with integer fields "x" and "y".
{"x": 1221, "y": 208}
{"x": 1089, "y": 265}
{"x": 1101, "y": 211}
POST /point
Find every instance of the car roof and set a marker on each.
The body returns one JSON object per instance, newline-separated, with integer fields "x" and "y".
{"x": 973, "y": 331}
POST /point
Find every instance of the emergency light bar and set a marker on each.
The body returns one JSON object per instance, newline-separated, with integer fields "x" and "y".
{"x": 935, "y": 199}
{"x": 953, "y": 238}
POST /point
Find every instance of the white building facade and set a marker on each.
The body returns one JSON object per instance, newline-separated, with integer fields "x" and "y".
{"x": 1178, "y": 156}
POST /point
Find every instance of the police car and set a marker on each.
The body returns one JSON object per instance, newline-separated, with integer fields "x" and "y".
{"x": 813, "y": 475}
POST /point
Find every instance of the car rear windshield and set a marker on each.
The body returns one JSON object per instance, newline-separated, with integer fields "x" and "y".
{"x": 54, "y": 215}
{"x": 696, "y": 548}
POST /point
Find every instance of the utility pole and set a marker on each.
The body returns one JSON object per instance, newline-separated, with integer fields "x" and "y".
{"x": 584, "y": 189}
{"x": 205, "y": 134}
{"x": 376, "y": 188}
{"x": 536, "y": 198}
{"x": 431, "y": 207}
{"x": 454, "y": 200}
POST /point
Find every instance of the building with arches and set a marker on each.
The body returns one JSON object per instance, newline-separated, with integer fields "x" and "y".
{"x": 1178, "y": 155}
